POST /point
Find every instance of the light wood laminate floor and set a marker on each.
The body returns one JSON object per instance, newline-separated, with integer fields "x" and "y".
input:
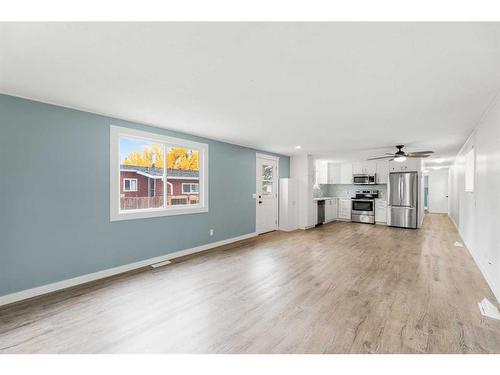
{"x": 340, "y": 288}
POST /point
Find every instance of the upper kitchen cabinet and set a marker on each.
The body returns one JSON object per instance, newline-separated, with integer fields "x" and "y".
{"x": 321, "y": 172}
{"x": 364, "y": 167}
{"x": 409, "y": 165}
{"x": 382, "y": 172}
{"x": 346, "y": 173}
{"x": 334, "y": 175}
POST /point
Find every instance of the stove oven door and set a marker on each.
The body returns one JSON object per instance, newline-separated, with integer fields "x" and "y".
{"x": 363, "y": 206}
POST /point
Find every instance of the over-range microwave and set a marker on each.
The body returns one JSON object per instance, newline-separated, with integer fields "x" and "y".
{"x": 364, "y": 179}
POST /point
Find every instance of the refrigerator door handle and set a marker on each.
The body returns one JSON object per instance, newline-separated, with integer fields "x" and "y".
{"x": 400, "y": 190}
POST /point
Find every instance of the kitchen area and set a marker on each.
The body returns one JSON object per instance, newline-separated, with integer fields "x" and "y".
{"x": 380, "y": 192}
{"x": 358, "y": 192}
{"x": 350, "y": 191}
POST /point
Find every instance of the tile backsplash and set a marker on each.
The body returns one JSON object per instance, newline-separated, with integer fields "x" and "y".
{"x": 333, "y": 190}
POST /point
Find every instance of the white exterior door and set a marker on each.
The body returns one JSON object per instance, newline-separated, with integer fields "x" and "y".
{"x": 438, "y": 191}
{"x": 267, "y": 194}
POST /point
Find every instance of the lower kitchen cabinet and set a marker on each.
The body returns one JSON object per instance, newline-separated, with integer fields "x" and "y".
{"x": 345, "y": 208}
{"x": 331, "y": 209}
{"x": 380, "y": 211}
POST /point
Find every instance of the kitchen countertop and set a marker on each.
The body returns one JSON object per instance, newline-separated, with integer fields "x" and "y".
{"x": 384, "y": 199}
{"x": 324, "y": 198}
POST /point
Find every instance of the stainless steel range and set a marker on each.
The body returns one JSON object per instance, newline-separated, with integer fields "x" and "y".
{"x": 363, "y": 206}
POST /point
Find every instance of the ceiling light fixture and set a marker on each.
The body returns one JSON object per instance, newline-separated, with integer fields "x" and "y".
{"x": 400, "y": 159}
{"x": 298, "y": 147}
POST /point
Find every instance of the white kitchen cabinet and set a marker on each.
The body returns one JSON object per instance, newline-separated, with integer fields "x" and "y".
{"x": 364, "y": 167}
{"x": 345, "y": 208}
{"x": 321, "y": 172}
{"x": 335, "y": 208}
{"x": 371, "y": 167}
{"x": 409, "y": 165}
{"x": 331, "y": 209}
{"x": 346, "y": 173}
{"x": 334, "y": 173}
{"x": 340, "y": 173}
{"x": 380, "y": 211}
{"x": 382, "y": 172}
{"x": 357, "y": 168}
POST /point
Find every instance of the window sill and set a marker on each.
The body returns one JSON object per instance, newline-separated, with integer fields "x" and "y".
{"x": 156, "y": 212}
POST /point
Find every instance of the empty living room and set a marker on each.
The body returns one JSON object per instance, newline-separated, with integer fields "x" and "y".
{"x": 210, "y": 185}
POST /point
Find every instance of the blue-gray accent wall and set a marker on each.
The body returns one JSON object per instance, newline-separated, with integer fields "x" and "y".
{"x": 54, "y": 197}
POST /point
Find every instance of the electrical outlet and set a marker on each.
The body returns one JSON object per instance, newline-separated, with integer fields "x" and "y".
{"x": 211, "y": 232}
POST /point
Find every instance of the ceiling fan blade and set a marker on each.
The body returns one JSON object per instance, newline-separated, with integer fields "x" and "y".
{"x": 390, "y": 153}
{"x": 417, "y": 156}
{"x": 420, "y": 152}
{"x": 381, "y": 157}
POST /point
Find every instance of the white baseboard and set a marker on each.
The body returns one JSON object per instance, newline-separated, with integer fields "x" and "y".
{"x": 287, "y": 229}
{"x": 480, "y": 265}
{"x": 44, "y": 289}
{"x": 482, "y": 268}
{"x": 455, "y": 224}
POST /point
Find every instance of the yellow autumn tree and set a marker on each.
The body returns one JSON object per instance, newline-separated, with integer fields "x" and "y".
{"x": 177, "y": 158}
{"x": 145, "y": 159}
{"x": 181, "y": 158}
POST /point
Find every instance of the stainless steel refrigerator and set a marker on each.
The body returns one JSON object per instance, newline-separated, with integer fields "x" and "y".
{"x": 403, "y": 199}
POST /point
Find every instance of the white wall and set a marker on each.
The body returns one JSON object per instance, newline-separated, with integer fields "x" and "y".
{"x": 438, "y": 190}
{"x": 476, "y": 214}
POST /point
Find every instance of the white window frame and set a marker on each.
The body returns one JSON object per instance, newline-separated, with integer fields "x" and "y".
{"x": 130, "y": 180}
{"x": 190, "y": 187}
{"x": 117, "y": 132}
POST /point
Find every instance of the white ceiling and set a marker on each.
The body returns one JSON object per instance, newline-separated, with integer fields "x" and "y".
{"x": 340, "y": 90}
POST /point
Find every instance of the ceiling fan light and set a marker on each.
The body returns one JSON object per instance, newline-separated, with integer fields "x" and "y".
{"x": 400, "y": 159}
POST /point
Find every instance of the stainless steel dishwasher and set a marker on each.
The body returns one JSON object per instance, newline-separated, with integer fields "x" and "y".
{"x": 321, "y": 212}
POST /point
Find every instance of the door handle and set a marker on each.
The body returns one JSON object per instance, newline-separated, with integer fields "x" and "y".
{"x": 260, "y": 202}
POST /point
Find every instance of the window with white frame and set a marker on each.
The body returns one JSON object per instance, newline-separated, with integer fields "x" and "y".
{"x": 129, "y": 184}
{"x": 155, "y": 167}
{"x": 188, "y": 188}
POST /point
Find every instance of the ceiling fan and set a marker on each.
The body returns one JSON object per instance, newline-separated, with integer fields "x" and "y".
{"x": 401, "y": 156}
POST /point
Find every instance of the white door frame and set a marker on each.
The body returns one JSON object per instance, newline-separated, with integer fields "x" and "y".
{"x": 277, "y": 160}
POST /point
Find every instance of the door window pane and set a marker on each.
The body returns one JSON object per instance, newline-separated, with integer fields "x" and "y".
{"x": 141, "y": 174}
{"x": 267, "y": 187}
{"x": 267, "y": 172}
{"x": 267, "y": 179}
{"x": 183, "y": 174}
